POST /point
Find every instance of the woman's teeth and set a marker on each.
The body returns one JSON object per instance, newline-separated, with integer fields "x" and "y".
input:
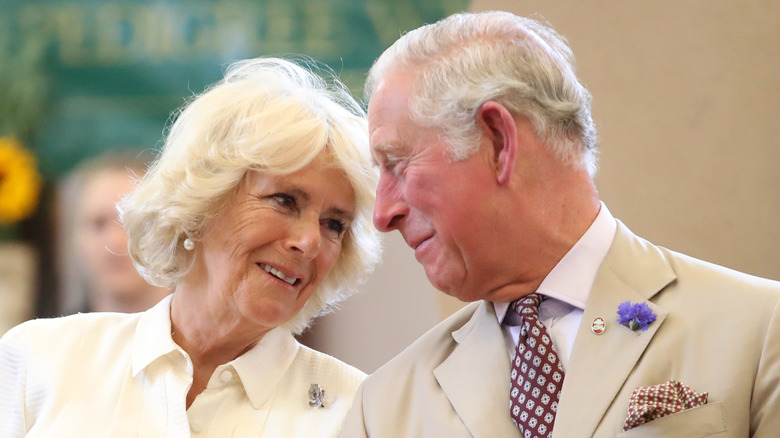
{"x": 277, "y": 273}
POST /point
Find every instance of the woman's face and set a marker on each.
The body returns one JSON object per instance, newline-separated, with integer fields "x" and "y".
{"x": 278, "y": 238}
{"x": 101, "y": 240}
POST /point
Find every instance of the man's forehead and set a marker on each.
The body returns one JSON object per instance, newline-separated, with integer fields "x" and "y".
{"x": 388, "y": 117}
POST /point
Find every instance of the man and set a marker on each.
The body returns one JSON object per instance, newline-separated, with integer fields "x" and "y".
{"x": 486, "y": 146}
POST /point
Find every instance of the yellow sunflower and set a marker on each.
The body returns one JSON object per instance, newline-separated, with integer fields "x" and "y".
{"x": 20, "y": 183}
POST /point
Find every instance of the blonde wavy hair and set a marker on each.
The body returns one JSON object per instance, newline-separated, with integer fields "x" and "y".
{"x": 269, "y": 115}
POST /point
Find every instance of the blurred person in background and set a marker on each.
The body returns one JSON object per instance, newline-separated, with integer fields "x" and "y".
{"x": 96, "y": 269}
{"x": 257, "y": 214}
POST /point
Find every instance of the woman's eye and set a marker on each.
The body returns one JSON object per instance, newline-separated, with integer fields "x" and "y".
{"x": 284, "y": 200}
{"x": 336, "y": 226}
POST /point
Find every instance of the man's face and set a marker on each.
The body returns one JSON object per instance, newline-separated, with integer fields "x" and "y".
{"x": 438, "y": 205}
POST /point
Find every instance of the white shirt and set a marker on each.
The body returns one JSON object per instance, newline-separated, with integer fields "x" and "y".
{"x": 567, "y": 288}
{"x": 117, "y": 375}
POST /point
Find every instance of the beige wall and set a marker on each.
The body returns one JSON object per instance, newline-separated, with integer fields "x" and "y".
{"x": 686, "y": 98}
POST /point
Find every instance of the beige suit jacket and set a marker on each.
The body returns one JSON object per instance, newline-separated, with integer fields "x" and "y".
{"x": 717, "y": 331}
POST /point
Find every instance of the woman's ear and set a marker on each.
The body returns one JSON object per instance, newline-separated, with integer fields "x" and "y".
{"x": 499, "y": 128}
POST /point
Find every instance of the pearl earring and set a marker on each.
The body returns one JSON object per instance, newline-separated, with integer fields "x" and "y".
{"x": 189, "y": 245}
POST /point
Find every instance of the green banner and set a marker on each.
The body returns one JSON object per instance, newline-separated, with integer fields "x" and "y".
{"x": 79, "y": 77}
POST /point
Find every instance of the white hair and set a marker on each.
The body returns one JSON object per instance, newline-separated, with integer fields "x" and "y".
{"x": 467, "y": 59}
{"x": 269, "y": 115}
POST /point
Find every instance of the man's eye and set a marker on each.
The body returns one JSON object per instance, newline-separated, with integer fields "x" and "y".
{"x": 395, "y": 167}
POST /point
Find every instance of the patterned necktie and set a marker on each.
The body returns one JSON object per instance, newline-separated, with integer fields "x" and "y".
{"x": 537, "y": 375}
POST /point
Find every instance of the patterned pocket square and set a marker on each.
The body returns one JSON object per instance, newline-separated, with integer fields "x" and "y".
{"x": 650, "y": 402}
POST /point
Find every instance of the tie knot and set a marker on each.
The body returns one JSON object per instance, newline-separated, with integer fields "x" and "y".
{"x": 527, "y": 305}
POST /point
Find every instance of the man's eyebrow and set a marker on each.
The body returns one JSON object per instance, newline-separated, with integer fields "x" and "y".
{"x": 382, "y": 151}
{"x": 379, "y": 152}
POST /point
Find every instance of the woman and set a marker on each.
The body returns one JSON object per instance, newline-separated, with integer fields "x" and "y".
{"x": 258, "y": 215}
{"x": 97, "y": 273}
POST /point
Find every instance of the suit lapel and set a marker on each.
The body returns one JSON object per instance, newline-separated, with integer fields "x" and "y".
{"x": 475, "y": 376}
{"x": 634, "y": 270}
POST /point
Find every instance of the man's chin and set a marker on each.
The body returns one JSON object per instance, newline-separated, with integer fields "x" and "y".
{"x": 465, "y": 296}
{"x": 457, "y": 291}
{"x": 450, "y": 278}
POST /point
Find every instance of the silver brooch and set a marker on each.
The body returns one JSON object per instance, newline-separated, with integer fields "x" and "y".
{"x": 316, "y": 394}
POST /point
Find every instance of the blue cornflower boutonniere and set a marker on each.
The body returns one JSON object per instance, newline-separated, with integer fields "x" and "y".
{"x": 636, "y": 316}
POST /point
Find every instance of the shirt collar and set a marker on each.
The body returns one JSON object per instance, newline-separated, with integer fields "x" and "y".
{"x": 572, "y": 278}
{"x": 261, "y": 368}
{"x": 153, "y": 336}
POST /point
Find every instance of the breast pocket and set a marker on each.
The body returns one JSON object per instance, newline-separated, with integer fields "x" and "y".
{"x": 704, "y": 421}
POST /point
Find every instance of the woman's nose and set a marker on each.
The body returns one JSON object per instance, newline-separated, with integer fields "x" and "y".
{"x": 306, "y": 237}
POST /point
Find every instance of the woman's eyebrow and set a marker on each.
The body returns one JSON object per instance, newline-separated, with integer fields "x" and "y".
{"x": 303, "y": 195}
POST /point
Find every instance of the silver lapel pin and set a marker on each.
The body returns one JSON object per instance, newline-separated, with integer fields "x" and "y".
{"x": 316, "y": 394}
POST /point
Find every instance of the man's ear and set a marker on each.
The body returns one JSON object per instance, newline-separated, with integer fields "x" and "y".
{"x": 499, "y": 128}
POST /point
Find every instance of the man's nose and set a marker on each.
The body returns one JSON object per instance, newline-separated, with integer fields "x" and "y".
{"x": 390, "y": 208}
